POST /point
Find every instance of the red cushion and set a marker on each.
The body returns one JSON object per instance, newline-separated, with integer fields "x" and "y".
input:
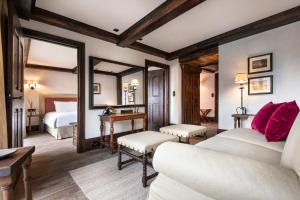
{"x": 261, "y": 119}
{"x": 281, "y": 122}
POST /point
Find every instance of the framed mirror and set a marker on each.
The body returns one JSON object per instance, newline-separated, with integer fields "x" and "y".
{"x": 115, "y": 84}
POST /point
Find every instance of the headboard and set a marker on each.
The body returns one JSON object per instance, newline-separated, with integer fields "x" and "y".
{"x": 49, "y": 102}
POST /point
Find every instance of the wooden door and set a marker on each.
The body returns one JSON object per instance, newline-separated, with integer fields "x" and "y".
{"x": 190, "y": 95}
{"x": 14, "y": 79}
{"x": 156, "y": 99}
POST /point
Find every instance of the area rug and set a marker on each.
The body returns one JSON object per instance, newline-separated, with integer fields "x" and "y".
{"x": 102, "y": 180}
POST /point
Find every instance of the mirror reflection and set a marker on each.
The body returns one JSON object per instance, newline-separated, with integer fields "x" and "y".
{"x": 115, "y": 84}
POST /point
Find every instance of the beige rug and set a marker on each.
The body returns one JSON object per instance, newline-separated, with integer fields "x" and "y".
{"x": 102, "y": 180}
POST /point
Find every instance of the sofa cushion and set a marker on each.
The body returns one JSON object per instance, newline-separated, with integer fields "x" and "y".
{"x": 290, "y": 155}
{"x": 252, "y": 136}
{"x": 281, "y": 122}
{"x": 241, "y": 148}
{"x": 262, "y": 117}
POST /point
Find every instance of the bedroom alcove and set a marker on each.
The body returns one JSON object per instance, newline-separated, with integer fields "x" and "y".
{"x": 53, "y": 91}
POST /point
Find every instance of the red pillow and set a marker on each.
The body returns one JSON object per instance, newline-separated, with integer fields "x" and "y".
{"x": 281, "y": 122}
{"x": 261, "y": 119}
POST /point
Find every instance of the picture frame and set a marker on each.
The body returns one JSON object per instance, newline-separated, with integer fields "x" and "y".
{"x": 96, "y": 88}
{"x": 260, "y": 85}
{"x": 260, "y": 64}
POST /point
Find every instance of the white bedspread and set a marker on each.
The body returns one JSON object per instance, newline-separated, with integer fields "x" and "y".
{"x": 60, "y": 119}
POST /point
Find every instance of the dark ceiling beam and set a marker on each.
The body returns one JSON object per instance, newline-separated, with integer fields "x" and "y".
{"x": 193, "y": 56}
{"x": 208, "y": 70}
{"x": 24, "y": 8}
{"x": 47, "y": 17}
{"x": 130, "y": 71}
{"x": 114, "y": 62}
{"x": 49, "y": 68}
{"x": 161, "y": 15}
{"x": 96, "y": 71}
{"x": 274, "y": 21}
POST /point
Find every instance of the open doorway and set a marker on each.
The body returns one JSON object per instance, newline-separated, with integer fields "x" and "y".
{"x": 23, "y": 103}
{"x": 157, "y": 95}
{"x": 200, "y": 80}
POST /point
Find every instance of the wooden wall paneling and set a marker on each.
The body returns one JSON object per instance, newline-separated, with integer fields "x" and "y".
{"x": 190, "y": 94}
{"x": 81, "y": 76}
{"x": 3, "y": 121}
{"x": 274, "y": 21}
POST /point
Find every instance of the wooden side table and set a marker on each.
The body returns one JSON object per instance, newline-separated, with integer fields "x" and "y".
{"x": 8, "y": 172}
{"x": 238, "y": 119}
{"x": 30, "y": 116}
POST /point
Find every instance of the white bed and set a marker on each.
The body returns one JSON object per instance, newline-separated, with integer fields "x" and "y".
{"x": 59, "y": 115}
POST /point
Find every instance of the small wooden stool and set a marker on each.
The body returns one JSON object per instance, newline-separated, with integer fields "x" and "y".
{"x": 144, "y": 143}
{"x": 184, "y": 131}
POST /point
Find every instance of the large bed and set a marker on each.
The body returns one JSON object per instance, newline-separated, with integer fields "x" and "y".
{"x": 57, "y": 120}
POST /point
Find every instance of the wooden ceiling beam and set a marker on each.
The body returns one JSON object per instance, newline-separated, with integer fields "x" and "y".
{"x": 47, "y": 17}
{"x": 96, "y": 71}
{"x": 166, "y": 12}
{"x": 198, "y": 54}
{"x": 49, "y": 68}
{"x": 274, "y": 21}
{"x": 24, "y": 8}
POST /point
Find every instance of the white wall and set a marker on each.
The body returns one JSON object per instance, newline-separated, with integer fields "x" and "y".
{"x": 284, "y": 43}
{"x": 175, "y": 85}
{"x": 108, "y": 94}
{"x": 97, "y": 48}
{"x": 207, "y": 88}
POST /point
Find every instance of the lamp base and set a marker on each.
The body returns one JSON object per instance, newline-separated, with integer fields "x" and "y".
{"x": 241, "y": 110}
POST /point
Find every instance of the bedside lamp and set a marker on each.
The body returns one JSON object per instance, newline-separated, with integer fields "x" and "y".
{"x": 125, "y": 89}
{"x": 241, "y": 79}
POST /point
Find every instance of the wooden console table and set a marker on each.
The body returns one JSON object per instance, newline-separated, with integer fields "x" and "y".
{"x": 8, "y": 172}
{"x": 115, "y": 118}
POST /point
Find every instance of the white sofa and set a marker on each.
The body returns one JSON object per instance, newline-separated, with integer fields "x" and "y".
{"x": 236, "y": 164}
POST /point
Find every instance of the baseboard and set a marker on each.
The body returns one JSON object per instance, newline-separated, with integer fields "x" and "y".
{"x": 93, "y": 143}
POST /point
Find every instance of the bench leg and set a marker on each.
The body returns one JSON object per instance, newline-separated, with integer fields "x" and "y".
{"x": 144, "y": 179}
{"x": 119, "y": 158}
{"x": 188, "y": 140}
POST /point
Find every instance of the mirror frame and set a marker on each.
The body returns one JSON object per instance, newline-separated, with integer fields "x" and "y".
{"x": 91, "y": 81}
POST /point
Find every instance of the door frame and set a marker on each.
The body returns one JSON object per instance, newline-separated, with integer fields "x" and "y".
{"x": 80, "y": 46}
{"x": 166, "y": 105}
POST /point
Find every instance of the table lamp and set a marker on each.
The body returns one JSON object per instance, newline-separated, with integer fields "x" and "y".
{"x": 134, "y": 83}
{"x": 241, "y": 79}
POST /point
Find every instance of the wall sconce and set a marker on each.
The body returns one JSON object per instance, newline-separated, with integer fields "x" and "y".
{"x": 241, "y": 79}
{"x": 134, "y": 83}
{"x": 31, "y": 84}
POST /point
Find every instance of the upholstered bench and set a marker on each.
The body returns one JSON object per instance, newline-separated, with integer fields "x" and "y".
{"x": 184, "y": 131}
{"x": 145, "y": 144}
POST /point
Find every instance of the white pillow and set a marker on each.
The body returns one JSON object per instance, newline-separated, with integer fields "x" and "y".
{"x": 62, "y": 106}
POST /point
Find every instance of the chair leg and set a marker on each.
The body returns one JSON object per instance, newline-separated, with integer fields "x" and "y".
{"x": 119, "y": 158}
{"x": 144, "y": 179}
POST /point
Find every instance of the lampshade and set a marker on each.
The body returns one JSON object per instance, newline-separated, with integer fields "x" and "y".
{"x": 134, "y": 82}
{"x": 125, "y": 85}
{"x": 31, "y": 84}
{"x": 241, "y": 78}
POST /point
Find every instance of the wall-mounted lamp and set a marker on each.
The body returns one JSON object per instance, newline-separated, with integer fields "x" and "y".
{"x": 31, "y": 84}
{"x": 241, "y": 79}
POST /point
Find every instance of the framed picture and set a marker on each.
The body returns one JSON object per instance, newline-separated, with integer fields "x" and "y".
{"x": 259, "y": 64}
{"x": 97, "y": 88}
{"x": 260, "y": 85}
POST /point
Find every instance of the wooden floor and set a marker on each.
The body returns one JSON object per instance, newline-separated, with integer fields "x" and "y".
{"x": 52, "y": 161}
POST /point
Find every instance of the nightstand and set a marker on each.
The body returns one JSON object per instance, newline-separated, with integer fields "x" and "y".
{"x": 30, "y": 126}
{"x": 238, "y": 119}
{"x": 74, "y": 136}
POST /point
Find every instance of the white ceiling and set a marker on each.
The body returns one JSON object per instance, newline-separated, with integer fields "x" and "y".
{"x": 45, "y": 53}
{"x": 104, "y": 14}
{"x": 211, "y": 18}
{"x": 111, "y": 67}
